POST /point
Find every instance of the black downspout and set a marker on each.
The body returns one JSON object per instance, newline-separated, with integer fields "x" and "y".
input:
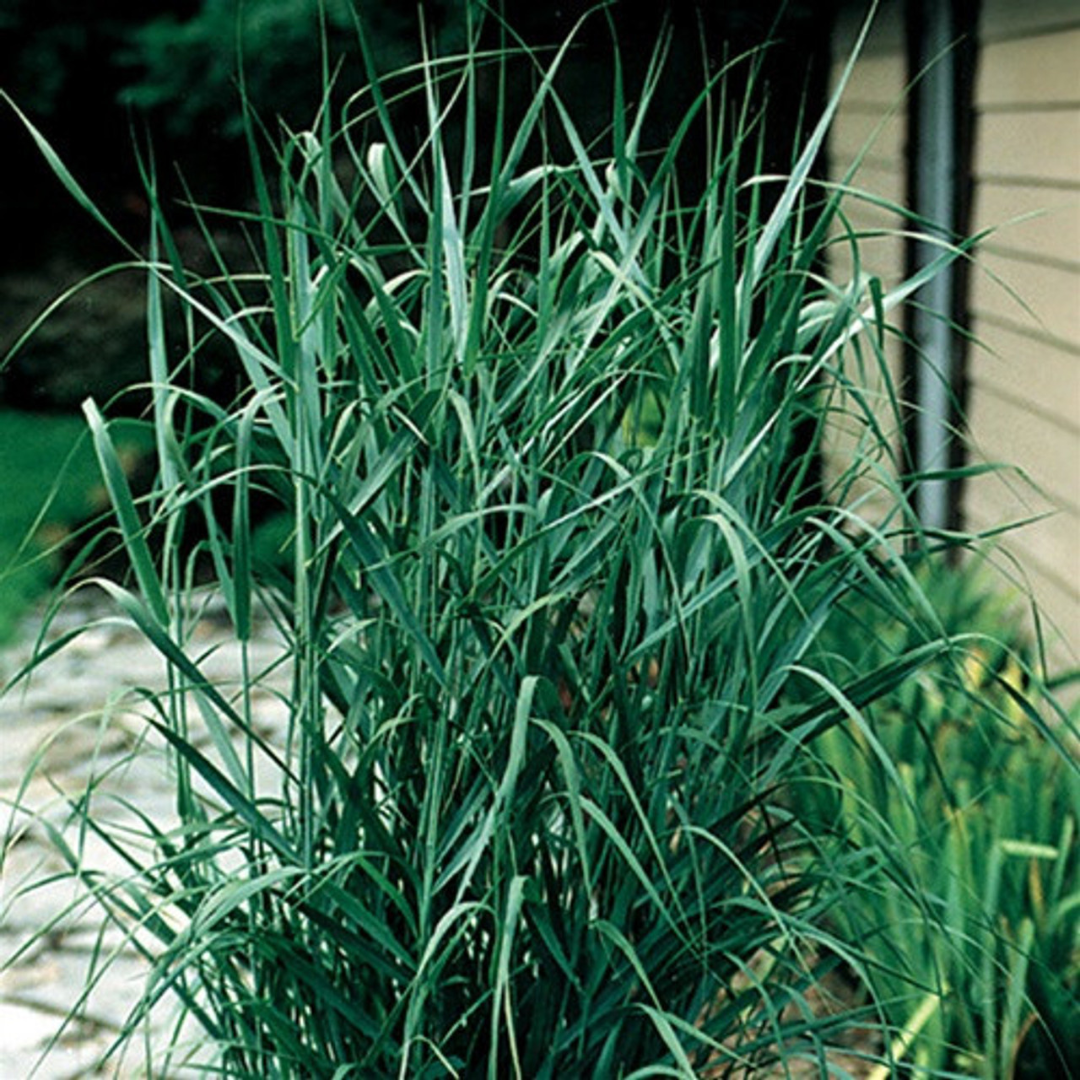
{"x": 942, "y": 52}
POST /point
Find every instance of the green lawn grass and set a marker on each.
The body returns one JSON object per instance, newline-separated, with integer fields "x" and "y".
{"x": 50, "y": 484}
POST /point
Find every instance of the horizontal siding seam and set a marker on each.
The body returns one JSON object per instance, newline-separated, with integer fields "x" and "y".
{"x": 888, "y": 109}
{"x": 871, "y": 220}
{"x": 1061, "y": 512}
{"x": 1026, "y": 501}
{"x": 1025, "y": 405}
{"x": 1015, "y": 180}
{"x": 989, "y": 37}
{"x": 1011, "y": 537}
{"x": 1055, "y": 504}
{"x": 881, "y": 166}
{"x": 982, "y": 524}
{"x": 1026, "y": 255}
{"x": 1024, "y": 330}
{"x": 1012, "y": 108}
{"x": 839, "y": 153}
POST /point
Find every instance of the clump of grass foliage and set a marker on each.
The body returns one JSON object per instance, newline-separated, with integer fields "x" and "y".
{"x": 550, "y": 597}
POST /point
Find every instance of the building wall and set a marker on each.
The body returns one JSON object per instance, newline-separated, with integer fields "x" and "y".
{"x": 1024, "y": 380}
{"x": 871, "y": 128}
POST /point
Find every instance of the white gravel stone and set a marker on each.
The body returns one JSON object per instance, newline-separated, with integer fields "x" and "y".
{"x": 81, "y": 721}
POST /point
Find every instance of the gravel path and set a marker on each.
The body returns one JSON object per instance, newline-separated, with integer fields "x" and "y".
{"x": 78, "y": 717}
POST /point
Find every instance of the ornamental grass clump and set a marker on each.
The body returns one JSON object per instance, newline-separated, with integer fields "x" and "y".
{"x": 547, "y": 574}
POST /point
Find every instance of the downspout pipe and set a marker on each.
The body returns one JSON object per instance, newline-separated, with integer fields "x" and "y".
{"x": 936, "y": 175}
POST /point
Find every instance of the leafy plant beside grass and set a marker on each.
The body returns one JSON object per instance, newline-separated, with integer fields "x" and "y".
{"x": 955, "y": 770}
{"x": 549, "y": 599}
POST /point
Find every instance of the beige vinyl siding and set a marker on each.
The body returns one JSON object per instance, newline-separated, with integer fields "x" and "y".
{"x": 1024, "y": 386}
{"x": 1036, "y": 372}
{"x": 1032, "y": 296}
{"x": 870, "y": 127}
{"x": 1007, "y": 20}
{"x": 1029, "y": 220}
{"x": 862, "y": 128}
{"x": 1029, "y": 71}
{"x": 1029, "y": 147}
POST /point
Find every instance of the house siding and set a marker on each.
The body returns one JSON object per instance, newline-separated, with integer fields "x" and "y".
{"x": 870, "y": 127}
{"x": 1023, "y": 289}
{"x": 1024, "y": 380}
{"x": 1006, "y": 20}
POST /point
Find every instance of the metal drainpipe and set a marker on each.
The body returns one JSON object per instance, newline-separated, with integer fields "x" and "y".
{"x": 934, "y": 339}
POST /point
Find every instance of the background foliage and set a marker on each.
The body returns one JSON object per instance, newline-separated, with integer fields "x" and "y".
{"x": 956, "y": 769}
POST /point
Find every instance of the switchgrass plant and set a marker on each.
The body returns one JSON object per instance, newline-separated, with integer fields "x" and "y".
{"x": 548, "y": 580}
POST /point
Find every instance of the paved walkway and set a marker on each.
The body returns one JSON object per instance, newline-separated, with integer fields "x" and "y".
{"x": 78, "y": 718}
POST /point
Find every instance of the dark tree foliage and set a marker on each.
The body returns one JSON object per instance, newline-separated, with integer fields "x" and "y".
{"x": 176, "y": 63}
{"x": 57, "y": 64}
{"x": 187, "y": 71}
{"x": 95, "y": 77}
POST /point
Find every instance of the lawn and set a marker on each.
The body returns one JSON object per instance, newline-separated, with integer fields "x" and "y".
{"x": 51, "y": 486}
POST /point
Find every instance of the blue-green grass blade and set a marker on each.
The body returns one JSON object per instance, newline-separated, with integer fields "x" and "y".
{"x": 503, "y": 1007}
{"x": 780, "y": 216}
{"x": 132, "y": 530}
{"x": 60, "y": 170}
{"x": 386, "y": 583}
{"x": 247, "y": 811}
